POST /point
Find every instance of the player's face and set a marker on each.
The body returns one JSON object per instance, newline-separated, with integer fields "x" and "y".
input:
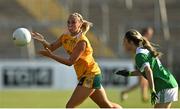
{"x": 74, "y": 24}
{"x": 128, "y": 47}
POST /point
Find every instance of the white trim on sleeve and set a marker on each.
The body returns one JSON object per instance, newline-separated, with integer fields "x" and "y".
{"x": 142, "y": 50}
{"x": 146, "y": 64}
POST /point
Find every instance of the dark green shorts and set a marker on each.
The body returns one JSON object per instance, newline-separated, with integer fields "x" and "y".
{"x": 93, "y": 82}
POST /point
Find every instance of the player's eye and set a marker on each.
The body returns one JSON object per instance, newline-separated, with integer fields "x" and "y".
{"x": 73, "y": 22}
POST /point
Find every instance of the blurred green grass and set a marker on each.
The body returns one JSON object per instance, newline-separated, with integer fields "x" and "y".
{"x": 56, "y": 99}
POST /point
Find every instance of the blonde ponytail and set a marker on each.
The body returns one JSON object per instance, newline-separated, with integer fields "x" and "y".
{"x": 86, "y": 26}
{"x": 146, "y": 44}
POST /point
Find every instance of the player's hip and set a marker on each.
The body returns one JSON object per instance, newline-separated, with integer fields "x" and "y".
{"x": 87, "y": 71}
{"x": 91, "y": 81}
{"x": 168, "y": 95}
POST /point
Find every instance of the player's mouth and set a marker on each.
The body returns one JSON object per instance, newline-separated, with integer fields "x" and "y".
{"x": 71, "y": 29}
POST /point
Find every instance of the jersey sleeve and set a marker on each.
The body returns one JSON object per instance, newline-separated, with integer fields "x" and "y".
{"x": 141, "y": 61}
{"x": 63, "y": 36}
{"x": 83, "y": 38}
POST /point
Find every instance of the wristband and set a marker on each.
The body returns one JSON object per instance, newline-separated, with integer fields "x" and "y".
{"x": 130, "y": 73}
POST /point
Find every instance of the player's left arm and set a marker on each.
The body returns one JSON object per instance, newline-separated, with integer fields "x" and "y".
{"x": 149, "y": 75}
{"x": 128, "y": 73}
{"x": 76, "y": 54}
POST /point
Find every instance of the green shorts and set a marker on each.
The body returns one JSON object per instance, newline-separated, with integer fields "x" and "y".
{"x": 93, "y": 82}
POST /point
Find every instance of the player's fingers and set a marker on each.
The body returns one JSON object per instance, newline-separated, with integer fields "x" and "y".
{"x": 36, "y": 38}
{"x": 152, "y": 102}
{"x": 48, "y": 50}
{"x": 41, "y": 52}
{"x": 38, "y": 52}
{"x": 156, "y": 96}
{"x": 33, "y": 34}
{"x": 38, "y": 34}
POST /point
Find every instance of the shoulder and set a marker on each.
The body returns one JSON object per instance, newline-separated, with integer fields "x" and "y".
{"x": 81, "y": 43}
{"x": 82, "y": 37}
{"x": 141, "y": 54}
{"x": 65, "y": 35}
{"x": 140, "y": 57}
{"x": 141, "y": 50}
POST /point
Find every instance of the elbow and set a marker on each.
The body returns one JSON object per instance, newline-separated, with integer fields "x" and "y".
{"x": 70, "y": 62}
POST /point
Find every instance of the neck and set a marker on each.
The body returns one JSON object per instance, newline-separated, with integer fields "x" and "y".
{"x": 134, "y": 49}
{"x": 75, "y": 33}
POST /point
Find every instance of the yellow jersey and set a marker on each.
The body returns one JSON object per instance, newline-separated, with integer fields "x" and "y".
{"x": 85, "y": 65}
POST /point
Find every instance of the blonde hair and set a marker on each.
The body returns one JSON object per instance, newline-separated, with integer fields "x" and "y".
{"x": 139, "y": 40}
{"x": 85, "y": 24}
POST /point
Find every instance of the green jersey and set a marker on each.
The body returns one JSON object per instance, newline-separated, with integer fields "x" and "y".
{"x": 163, "y": 79}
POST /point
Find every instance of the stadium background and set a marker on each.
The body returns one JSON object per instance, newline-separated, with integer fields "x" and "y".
{"x": 111, "y": 19}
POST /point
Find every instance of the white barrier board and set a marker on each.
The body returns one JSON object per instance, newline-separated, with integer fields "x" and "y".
{"x": 47, "y": 74}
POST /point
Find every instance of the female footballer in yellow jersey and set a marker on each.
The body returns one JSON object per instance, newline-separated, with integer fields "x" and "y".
{"x": 80, "y": 51}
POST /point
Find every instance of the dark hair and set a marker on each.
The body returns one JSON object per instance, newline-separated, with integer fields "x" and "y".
{"x": 138, "y": 40}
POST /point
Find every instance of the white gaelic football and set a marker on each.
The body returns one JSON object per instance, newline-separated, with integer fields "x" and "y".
{"x": 21, "y": 36}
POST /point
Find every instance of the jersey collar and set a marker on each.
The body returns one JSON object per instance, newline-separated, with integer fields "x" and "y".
{"x": 142, "y": 50}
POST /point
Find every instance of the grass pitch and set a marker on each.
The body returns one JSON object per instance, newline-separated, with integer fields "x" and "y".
{"x": 57, "y": 99}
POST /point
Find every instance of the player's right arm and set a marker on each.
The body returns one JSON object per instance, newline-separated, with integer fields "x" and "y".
{"x": 128, "y": 73}
{"x": 51, "y": 46}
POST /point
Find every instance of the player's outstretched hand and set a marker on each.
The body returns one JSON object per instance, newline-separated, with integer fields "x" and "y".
{"x": 46, "y": 52}
{"x": 123, "y": 73}
{"x": 37, "y": 36}
{"x": 154, "y": 97}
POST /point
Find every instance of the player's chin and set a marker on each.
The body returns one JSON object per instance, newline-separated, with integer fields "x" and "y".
{"x": 70, "y": 29}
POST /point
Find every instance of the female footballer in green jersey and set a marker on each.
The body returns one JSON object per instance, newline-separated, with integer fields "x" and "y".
{"x": 163, "y": 86}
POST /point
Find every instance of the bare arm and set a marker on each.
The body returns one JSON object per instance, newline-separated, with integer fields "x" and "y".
{"x": 51, "y": 46}
{"x": 149, "y": 75}
{"x": 76, "y": 54}
{"x": 128, "y": 73}
{"x": 136, "y": 73}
